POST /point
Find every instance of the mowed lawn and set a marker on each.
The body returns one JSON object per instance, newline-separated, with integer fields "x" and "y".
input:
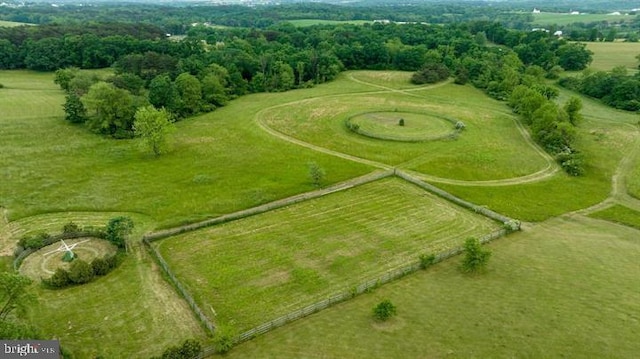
{"x": 258, "y": 268}
{"x": 565, "y": 288}
{"x": 130, "y": 312}
{"x": 607, "y": 55}
{"x": 491, "y": 147}
{"x": 221, "y": 161}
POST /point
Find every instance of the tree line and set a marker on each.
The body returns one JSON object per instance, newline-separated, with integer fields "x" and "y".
{"x": 616, "y": 88}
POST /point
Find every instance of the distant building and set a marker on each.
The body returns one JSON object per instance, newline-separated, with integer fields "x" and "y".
{"x": 575, "y": 13}
{"x": 558, "y": 33}
{"x": 536, "y": 11}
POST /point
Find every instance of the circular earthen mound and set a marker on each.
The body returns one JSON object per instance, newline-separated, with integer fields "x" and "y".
{"x": 44, "y": 262}
{"x": 402, "y": 126}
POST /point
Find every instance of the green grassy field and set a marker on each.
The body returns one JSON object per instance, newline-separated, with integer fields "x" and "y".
{"x": 256, "y": 269}
{"x": 256, "y": 150}
{"x": 607, "y": 55}
{"x": 619, "y": 214}
{"x": 130, "y": 311}
{"x": 491, "y": 147}
{"x": 13, "y": 23}
{"x": 551, "y": 18}
{"x": 565, "y": 288}
{"x": 311, "y": 22}
{"x": 110, "y": 175}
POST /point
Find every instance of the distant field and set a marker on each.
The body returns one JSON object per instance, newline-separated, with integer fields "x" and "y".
{"x": 256, "y": 269}
{"x": 550, "y": 18}
{"x": 607, "y": 55}
{"x": 311, "y": 22}
{"x": 566, "y": 288}
{"x": 13, "y": 24}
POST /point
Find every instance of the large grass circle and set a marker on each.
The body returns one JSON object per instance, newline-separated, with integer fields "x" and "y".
{"x": 415, "y": 127}
{"x": 44, "y": 262}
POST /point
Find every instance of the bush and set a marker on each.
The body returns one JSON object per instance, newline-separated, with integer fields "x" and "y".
{"x": 100, "y": 266}
{"x": 571, "y": 162}
{"x": 118, "y": 229}
{"x": 476, "y": 257}
{"x": 1, "y": 86}
{"x": 70, "y": 228}
{"x": 401, "y": 122}
{"x": 80, "y": 272}
{"x": 427, "y": 261}
{"x": 384, "y": 310}
{"x": 189, "y": 349}
{"x": 430, "y": 73}
{"x": 59, "y": 279}
{"x": 223, "y": 339}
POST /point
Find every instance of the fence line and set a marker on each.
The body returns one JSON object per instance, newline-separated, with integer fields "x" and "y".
{"x": 359, "y": 289}
{"x": 510, "y": 225}
{"x": 448, "y": 196}
{"x": 180, "y": 287}
{"x": 374, "y": 176}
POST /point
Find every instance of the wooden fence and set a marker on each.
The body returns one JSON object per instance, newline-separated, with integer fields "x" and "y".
{"x": 374, "y": 176}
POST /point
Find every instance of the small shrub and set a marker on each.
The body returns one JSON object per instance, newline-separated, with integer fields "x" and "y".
{"x": 401, "y": 122}
{"x": 223, "y": 339}
{"x": 59, "y": 279}
{"x": 384, "y": 310}
{"x": 316, "y": 173}
{"x": 475, "y": 257}
{"x": 427, "y": 261}
{"x": 512, "y": 225}
{"x": 80, "y": 272}
{"x": 118, "y": 229}
{"x": 70, "y": 228}
{"x": 1, "y": 86}
{"x": 100, "y": 266}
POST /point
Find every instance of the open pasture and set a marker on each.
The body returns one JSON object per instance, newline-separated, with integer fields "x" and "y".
{"x": 4, "y": 23}
{"x": 221, "y": 161}
{"x": 619, "y": 214}
{"x": 607, "y": 55}
{"x": 312, "y": 22}
{"x": 568, "y": 287}
{"x": 397, "y": 80}
{"x": 491, "y": 146}
{"x": 551, "y": 18}
{"x": 255, "y": 269}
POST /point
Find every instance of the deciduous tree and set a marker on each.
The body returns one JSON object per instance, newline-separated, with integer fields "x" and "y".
{"x": 154, "y": 127}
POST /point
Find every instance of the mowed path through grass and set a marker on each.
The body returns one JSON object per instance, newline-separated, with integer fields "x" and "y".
{"x": 258, "y": 268}
{"x": 221, "y": 162}
{"x": 564, "y": 288}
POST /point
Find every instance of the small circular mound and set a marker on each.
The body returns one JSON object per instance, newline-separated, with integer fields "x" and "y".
{"x": 402, "y": 126}
{"x": 44, "y": 262}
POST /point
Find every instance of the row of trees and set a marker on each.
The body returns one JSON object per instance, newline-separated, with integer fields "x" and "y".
{"x": 616, "y": 88}
{"x": 551, "y": 126}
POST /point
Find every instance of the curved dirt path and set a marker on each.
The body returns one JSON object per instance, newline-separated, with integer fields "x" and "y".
{"x": 619, "y": 193}
{"x": 550, "y": 170}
